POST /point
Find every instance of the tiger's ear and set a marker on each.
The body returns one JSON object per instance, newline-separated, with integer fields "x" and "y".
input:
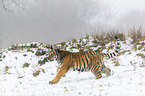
{"x": 51, "y": 47}
{"x": 116, "y": 37}
{"x": 57, "y": 50}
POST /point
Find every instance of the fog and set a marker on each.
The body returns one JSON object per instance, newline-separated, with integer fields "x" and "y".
{"x": 54, "y": 21}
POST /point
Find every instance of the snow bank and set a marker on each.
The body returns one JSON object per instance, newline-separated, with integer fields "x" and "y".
{"x": 127, "y": 79}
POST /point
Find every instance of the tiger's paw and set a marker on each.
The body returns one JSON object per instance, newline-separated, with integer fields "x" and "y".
{"x": 98, "y": 77}
{"x": 52, "y": 82}
{"x": 64, "y": 75}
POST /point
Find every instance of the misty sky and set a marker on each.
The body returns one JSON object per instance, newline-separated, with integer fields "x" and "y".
{"x": 54, "y": 21}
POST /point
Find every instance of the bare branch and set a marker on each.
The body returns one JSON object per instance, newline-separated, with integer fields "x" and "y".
{"x": 18, "y": 73}
{"x": 13, "y": 1}
{"x": 16, "y": 3}
{"x": 133, "y": 65}
{"x": 5, "y": 8}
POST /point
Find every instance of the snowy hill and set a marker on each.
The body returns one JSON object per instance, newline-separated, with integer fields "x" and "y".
{"x": 25, "y": 71}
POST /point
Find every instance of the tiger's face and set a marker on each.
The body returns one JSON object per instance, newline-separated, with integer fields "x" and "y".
{"x": 58, "y": 54}
{"x": 55, "y": 53}
{"x": 52, "y": 54}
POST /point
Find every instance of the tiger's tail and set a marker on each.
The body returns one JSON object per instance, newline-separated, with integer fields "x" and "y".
{"x": 110, "y": 55}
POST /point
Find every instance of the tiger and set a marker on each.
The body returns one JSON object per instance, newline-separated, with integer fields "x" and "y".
{"x": 81, "y": 61}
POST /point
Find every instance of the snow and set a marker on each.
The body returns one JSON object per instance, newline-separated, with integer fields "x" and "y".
{"x": 127, "y": 79}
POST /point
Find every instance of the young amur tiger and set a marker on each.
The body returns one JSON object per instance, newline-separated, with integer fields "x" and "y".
{"x": 81, "y": 61}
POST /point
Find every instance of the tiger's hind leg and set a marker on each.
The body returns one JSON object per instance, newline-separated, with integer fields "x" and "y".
{"x": 99, "y": 75}
{"x": 96, "y": 71}
{"x": 60, "y": 73}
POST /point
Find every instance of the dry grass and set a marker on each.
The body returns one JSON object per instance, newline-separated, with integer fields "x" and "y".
{"x": 105, "y": 37}
{"x": 136, "y": 34}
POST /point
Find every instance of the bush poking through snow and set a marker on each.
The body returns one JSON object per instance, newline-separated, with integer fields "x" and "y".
{"x": 36, "y": 73}
{"x": 26, "y": 65}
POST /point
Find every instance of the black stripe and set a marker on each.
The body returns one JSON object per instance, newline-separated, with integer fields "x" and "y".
{"x": 86, "y": 60}
{"x": 116, "y": 37}
{"x": 89, "y": 67}
{"x": 116, "y": 51}
{"x": 102, "y": 67}
{"x": 95, "y": 60}
{"x": 92, "y": 67}
{"x": 97, "y": 69}
{"x": 82, "y": 65}
{"x": 76, "y": 64}
{"x": 94, "y": 53}
{"x": 114, "y": 54}
{"x": 73, "y": 66}
{"x": 118, "y": 43}
{"x": 91, "y": 53}
{"x": 111, "y": 54}
{"x": 99, "y": 72}
{"x": 98, "y": 66}
{"x": 90, "y": 57}
{"x": 108, "y": 55}
{"x": 87, "y": 54}
{"x": 117, "y": 47}
{"x": 79, "y": 64}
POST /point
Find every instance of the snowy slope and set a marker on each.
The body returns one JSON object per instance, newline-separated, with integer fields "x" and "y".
{"x": 127, "y": 79}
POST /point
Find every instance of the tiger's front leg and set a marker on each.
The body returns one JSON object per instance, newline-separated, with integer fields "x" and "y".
{"x": 58, "y": 68}
{"x": 60, "y": 73}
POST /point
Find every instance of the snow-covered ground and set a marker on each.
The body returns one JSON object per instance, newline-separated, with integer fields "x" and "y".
{"x": 127, "y": 79}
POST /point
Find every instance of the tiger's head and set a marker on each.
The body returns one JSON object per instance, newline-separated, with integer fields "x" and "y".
{"x": 52, "y": 54}
{"x": 58, "y": 54}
